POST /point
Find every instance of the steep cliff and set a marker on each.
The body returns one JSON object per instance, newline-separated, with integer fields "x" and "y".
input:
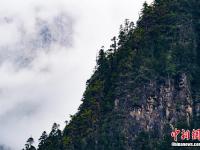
{"x": 143, "y": 87}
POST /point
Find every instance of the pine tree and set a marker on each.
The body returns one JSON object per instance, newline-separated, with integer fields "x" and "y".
{"x": 29, "y": 144}
{"x": 42, "y": 140}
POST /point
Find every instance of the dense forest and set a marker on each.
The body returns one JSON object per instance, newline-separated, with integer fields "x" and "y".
{"x": 143, "y": 87}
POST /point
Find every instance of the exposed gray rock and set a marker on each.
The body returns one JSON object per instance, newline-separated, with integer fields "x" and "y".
{"x": 163, "y": 105}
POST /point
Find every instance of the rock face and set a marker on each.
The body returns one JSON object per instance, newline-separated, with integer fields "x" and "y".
{"x": 163, "y": 103}
{"x": 143, "y": 87}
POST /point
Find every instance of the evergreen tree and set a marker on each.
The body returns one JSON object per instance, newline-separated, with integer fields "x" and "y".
{"x": 42, "y": 141}
{"x": 146, "y": 61}
{"x": 29, "y": 144}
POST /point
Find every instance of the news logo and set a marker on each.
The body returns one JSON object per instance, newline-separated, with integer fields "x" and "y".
{"x": 185, "y": 135}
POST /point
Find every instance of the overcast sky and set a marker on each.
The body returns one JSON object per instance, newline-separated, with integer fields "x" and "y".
{"x": 47, "y": 52}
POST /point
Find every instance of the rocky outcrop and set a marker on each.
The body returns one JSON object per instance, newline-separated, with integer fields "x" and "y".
{"x": 145, "y": 86}
{"x": 162, "y": 104}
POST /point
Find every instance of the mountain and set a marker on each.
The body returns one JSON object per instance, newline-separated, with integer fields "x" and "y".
{"x": 145, "y": 86}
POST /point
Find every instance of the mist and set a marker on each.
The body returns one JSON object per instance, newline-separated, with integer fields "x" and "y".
{"x": 47, "y": 52}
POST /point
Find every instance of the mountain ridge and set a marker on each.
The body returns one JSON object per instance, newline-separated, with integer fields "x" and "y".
{"x": 143, "y": 87}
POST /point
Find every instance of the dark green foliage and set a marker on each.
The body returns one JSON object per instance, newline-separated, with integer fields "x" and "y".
{"x": 164, "y": 43}
{"x": 42, "y": 140}
{"x": 53, "y": 141}
{"x": 28, "y": 145}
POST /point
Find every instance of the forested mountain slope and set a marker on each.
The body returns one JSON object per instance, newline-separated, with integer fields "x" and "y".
{"x": 143, "y": 87}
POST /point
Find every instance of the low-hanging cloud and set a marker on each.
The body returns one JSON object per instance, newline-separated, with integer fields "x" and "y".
{"x": 47, "y": 51}
{"x": 21, "y": 45}
{"x": 33, "y": 66}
